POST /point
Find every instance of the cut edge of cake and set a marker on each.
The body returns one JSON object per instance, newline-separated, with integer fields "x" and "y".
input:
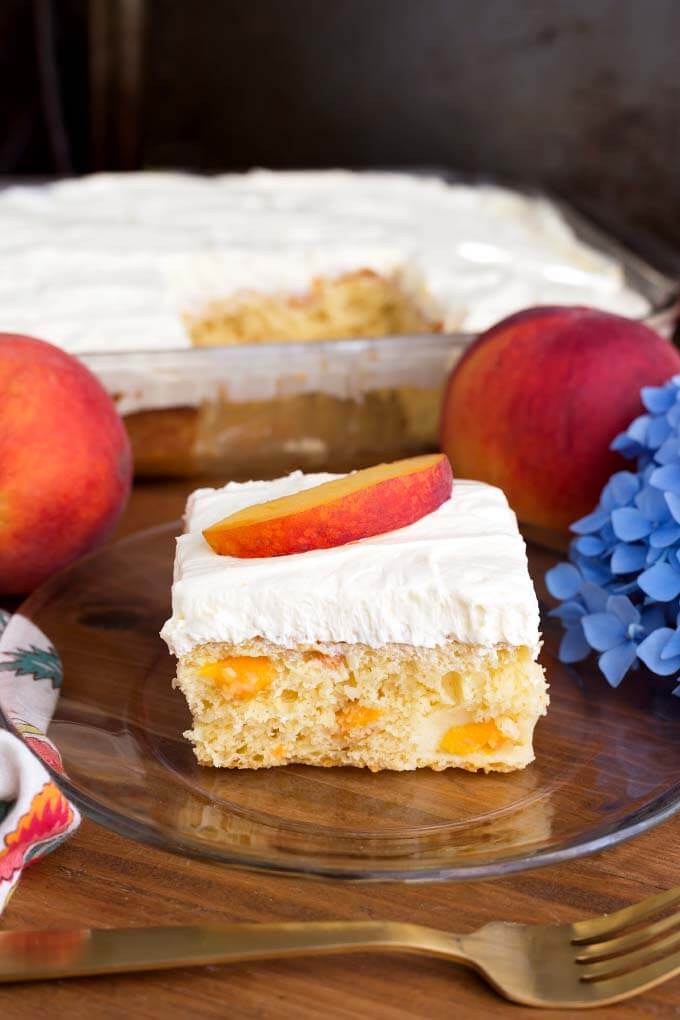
{"x": 257, "y": 705}
{"x": 361, "y": 303}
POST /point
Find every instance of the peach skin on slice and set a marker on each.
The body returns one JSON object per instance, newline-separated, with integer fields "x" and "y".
{"x": 365, "y": 503}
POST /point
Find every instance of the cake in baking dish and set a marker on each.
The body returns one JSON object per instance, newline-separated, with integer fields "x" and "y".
{"x": 135, "y": 271}
{"x": 412, "y": 648}
{"x": 162, "y": 261}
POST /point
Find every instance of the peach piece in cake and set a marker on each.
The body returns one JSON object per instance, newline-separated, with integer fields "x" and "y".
{"x": 359, "y": 505}
{"x": 243, "y": 676}
{"x": 470, "y": 737}
{"x": 357, "y": 717}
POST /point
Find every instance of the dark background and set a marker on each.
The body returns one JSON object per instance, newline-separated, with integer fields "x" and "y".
{"x": 580, "y": 95}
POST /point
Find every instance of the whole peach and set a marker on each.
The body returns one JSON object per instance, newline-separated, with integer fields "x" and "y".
{"x": 535, "y": 402}
{"x": 65, "y": 462}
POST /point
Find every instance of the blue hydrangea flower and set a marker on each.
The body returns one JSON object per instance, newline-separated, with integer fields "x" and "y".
{"x": 647, "y": 434}
{"x": 620, "y": 594}
{"x": 660, "y": 650}
{"x": 579, "y": 597}
{"x": 617, "y": 633}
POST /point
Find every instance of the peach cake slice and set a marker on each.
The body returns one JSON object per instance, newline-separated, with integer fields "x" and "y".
{"x": 411, "y": 648}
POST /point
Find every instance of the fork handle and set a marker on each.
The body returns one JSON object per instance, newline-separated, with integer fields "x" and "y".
{"x": 40, "y": 955}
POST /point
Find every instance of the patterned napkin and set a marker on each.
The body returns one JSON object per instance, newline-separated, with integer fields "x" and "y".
{"x": 35, "y": 816}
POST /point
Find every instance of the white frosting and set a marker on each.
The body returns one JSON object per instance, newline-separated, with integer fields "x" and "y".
{"x": 109, "y": 262}
{"x": 458, "y": 573}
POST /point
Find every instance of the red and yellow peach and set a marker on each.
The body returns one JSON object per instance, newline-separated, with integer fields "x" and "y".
{"x": 534, "y": 404}
{"x": 65, "y": 462}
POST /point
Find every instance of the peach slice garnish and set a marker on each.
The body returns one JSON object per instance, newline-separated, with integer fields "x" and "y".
{"x": 359, "y": 505}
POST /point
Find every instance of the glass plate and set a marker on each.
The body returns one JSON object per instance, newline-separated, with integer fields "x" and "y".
{"x": 607, "y": 762}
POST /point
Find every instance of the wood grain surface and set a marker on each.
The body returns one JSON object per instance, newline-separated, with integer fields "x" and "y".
{"x": 101, "y": 879}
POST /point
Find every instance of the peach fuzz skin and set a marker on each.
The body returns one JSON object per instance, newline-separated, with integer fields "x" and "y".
{"x": 65, "y": 462}
{"x": 535, "y": 402}
{"x": 362, "y": 504}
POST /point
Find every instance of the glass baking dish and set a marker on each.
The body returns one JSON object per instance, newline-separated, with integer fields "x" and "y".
{"x": 262, "y": 410}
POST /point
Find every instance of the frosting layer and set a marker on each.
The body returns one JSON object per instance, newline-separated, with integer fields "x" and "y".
{"x": 458, "y": 574}
{"x": 109, "y": 261}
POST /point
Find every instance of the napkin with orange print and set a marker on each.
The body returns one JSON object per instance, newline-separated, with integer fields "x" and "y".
{"x": 34, "y": 815}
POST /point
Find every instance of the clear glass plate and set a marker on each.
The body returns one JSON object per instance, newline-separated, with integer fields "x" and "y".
{"x": 607, "y": 762}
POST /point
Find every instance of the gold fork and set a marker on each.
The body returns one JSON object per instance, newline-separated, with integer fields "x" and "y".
{"x": 580, "y": 965}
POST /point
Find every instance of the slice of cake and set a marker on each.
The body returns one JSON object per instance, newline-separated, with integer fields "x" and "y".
{"x": 414, "y": 647}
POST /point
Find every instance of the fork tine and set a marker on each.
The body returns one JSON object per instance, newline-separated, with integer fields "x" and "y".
{"x": 631, "y": 961}
{"x": 638, "y": 981}
{"x": 600, "y": 927}
{"x": 623, "y": 943}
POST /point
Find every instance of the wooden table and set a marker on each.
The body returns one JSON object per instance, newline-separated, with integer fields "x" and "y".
{"x": 99, "y": 878}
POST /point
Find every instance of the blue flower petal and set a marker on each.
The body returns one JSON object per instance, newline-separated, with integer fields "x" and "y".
{"x": 624, "y": 587}
{"x": 568, "y": 612}
{"x": 628, "y": 558}
{"x": 623, "y": 609}
{"x": 616, "y": 662}
{"x": 563, "y": 581}
{"x": 589, "y": 545}
{"x": 658, "y": 432}
{"x": 607, "y": 499}
{"x": 668, "y": 451}
{"x": 594, "y": 597}
{"x": 666, "y": 478}
{"x": 629, "y": 524}
{"x": 607, "y": 534}
{"x": 673, "y": 416}
{"x": 626, "y": 447}
{"x": 645, "y": 471}
{"x": 658, "y": 399}
{"x": 595, "y": 572}
{"x": 637, "y": 430}
{"x": 660, "y": 582}
{"x": 672, "y": 649}
{"x": 649, "y": 652}
{"x": 591, "y": 522}
{"x": 665, "y": 535}
{"x": 623, "y": 485}
{"x": 574, "y": 646}
{"x": 603, "y": 630}
{"x": 673, "y": 504}
{"x": 652, "y": 504}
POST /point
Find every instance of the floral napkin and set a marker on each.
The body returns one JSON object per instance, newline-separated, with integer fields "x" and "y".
{"x": 34, "y": 815}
